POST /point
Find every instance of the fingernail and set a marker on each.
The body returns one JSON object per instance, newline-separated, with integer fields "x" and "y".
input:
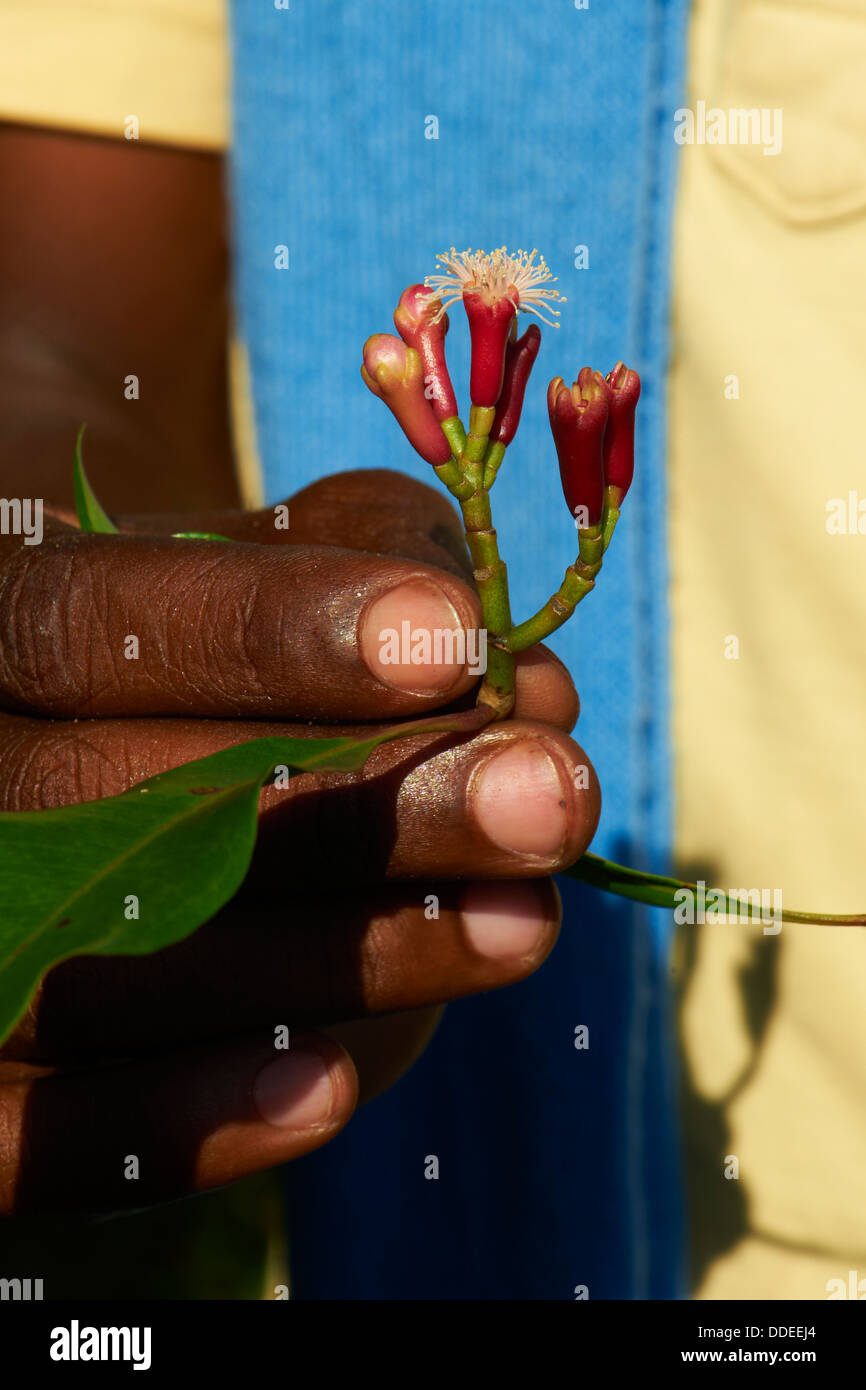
{"x": 519, "y": 800}
{"x": 295, "y": 1090}
{"x": 403, "y": 632}
{"x": 504, "y": 920}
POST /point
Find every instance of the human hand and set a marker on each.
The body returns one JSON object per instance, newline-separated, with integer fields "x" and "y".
{"x": 171, "y": 1057}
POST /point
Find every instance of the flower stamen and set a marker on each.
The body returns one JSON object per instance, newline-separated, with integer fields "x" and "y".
{"x": 523, "y": 280}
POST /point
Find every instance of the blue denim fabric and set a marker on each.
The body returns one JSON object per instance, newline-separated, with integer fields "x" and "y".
{"x": 558, "y": 1167}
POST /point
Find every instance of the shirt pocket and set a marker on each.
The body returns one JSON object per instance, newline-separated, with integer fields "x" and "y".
{"x": 807, "y": 60}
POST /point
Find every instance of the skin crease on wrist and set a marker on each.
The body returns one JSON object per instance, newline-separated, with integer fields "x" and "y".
{"x": 116, "y": 261}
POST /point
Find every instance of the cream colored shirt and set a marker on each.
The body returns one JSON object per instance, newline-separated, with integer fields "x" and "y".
{"x": 770, "y": 288}
{"x": 92, "y": 64}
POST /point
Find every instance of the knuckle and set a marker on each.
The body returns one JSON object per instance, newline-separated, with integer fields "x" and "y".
{"x": 48, "y": 601}
{"x": 227, "y": 647}
{"x": 65, "y": 612}
{"x": 389, "y": 960}
{"x": 60, "y": 766}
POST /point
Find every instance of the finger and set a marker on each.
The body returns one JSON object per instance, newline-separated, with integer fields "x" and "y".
{"x": 544, "y": 690}
{"x": 385, "y": 1047}
{"x": 153, "y": 1131}
{"x": 375, "y": 510}
{"x": 96, "y": 625}
{"x": 519, "y": 799}
{"x": 390, "y": 514}
{"x": 319, "y": 958}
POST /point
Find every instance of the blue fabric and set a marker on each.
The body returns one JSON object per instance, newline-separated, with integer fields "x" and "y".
{"x": 558, "y": 1167}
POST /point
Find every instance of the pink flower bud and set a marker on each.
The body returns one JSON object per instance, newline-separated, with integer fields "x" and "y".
{"x": 622, "y": 387}
{"x": 578, "y": 418}
{"x": 413, "y": 318}
{"x": 490, "y": 320}
{"x": 395, "y": 373}
{"x": 520, "y": 355}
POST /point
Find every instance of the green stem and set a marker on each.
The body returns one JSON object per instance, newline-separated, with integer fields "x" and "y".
{"x": 451, "y": 475}
{"x": 578, "y": 582}
{"x": 591, "y": 547}
{"x": 610, "y": 514}
{"x": 609, "y": 520}
{"x": 453, "y": 430}
{"x": 495, "y": 455}
{"x": 490, "y": 572}
{"x": 472, "y": 458}
{"x": 659, "y": 891}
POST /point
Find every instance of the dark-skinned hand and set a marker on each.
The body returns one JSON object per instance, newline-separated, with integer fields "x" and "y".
{"x": 171, "y": 1057}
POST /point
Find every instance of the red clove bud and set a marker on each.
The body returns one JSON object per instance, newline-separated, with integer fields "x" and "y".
{"x": 622, "y": 388}
{"x": 578, "y": 418}
{"x": 490, "y": 319}
{"x": 422, "y": 325}
{"x": 520, "y": 355}
{"x": 395, "y": 373}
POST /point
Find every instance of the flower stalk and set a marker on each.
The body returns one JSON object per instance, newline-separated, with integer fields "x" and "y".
{"x": 658, "y": 890}
{"x": 592, "y": 424}
{"x": 488, "y": 568}
{"x": 593, "y": 430}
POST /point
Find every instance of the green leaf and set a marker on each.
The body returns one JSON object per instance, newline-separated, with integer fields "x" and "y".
{"x": 179, "y": 843}
{"x": 198, "y": 536}
{"x": 91, "y": 516}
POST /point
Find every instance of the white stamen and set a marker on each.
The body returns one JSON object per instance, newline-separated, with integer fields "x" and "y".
{"x": 495, "y": 272}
